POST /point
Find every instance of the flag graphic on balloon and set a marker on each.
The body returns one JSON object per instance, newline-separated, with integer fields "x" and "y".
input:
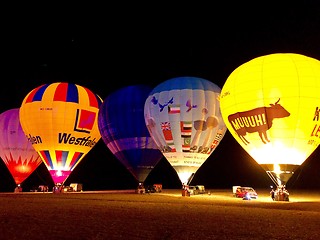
{"x": 184, "y": 119}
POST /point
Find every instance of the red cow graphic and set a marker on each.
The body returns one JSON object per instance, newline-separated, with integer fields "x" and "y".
{"x": 257, "y": 120}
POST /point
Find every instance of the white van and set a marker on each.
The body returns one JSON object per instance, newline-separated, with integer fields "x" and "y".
{"x": 76, "y": 187}
{"x": 198, "y": 189}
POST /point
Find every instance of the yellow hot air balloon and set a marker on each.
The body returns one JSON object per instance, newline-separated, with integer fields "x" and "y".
{"x": 271, "y": 107}
{"x": 60, "y": 120}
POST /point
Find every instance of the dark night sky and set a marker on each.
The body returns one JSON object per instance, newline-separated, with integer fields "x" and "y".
{"x": 113, "y": 48}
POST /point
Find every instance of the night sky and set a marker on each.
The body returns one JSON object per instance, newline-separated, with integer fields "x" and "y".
{"x": 110, "y": 49}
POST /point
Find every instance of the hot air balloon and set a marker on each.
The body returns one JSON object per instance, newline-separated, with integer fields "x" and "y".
{"x": 271, "y": 107}
{"x": 123, "y": 130}
{"x": 16, "y": 151}
{"x": 184, "y": 119}
{"x": 61, "y": 121}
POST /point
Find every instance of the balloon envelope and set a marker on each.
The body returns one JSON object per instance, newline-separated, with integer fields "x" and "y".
{"x": 60, "y": 119}
{"x": 271, "y": 107}
{"x": 16, "y": 151}
{"x": 123, "y": 130}
{"x": 183, "y": 117}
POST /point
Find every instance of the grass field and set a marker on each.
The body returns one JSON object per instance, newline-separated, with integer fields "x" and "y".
{"x": 166, "y": 215}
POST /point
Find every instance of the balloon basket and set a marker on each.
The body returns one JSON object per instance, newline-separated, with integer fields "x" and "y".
{"x": 58, "y": 188}
{"x": 281, "y": 194}
{"x": 185, "y": 193}
{"x": 141, "y": 189}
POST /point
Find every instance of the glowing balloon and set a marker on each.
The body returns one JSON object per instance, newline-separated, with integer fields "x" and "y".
{"x": 123, "y": 130}
{"x": 60, "y": 119}
{"x": 15, "y": 149}
{"x": 184, "y": 119}
{"x": 271, "y": 107}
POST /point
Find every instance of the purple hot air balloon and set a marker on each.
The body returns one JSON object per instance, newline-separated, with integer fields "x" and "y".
{"x": 16, "y": 151}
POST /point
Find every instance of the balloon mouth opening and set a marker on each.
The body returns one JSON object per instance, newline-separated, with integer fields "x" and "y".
{"x": 59, "y": 176}
{"x": 279, "y": 173}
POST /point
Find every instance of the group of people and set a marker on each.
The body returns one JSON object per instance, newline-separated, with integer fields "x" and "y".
{"x": 280, "y": 194}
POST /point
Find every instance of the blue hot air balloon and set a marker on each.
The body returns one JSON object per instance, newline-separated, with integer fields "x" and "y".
{"x": 123, "y": 130}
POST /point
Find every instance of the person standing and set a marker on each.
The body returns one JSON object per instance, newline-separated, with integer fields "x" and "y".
{"x": 272, "y": 193}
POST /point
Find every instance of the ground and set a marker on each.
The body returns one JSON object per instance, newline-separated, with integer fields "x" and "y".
{"x": 165, "y": 215}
